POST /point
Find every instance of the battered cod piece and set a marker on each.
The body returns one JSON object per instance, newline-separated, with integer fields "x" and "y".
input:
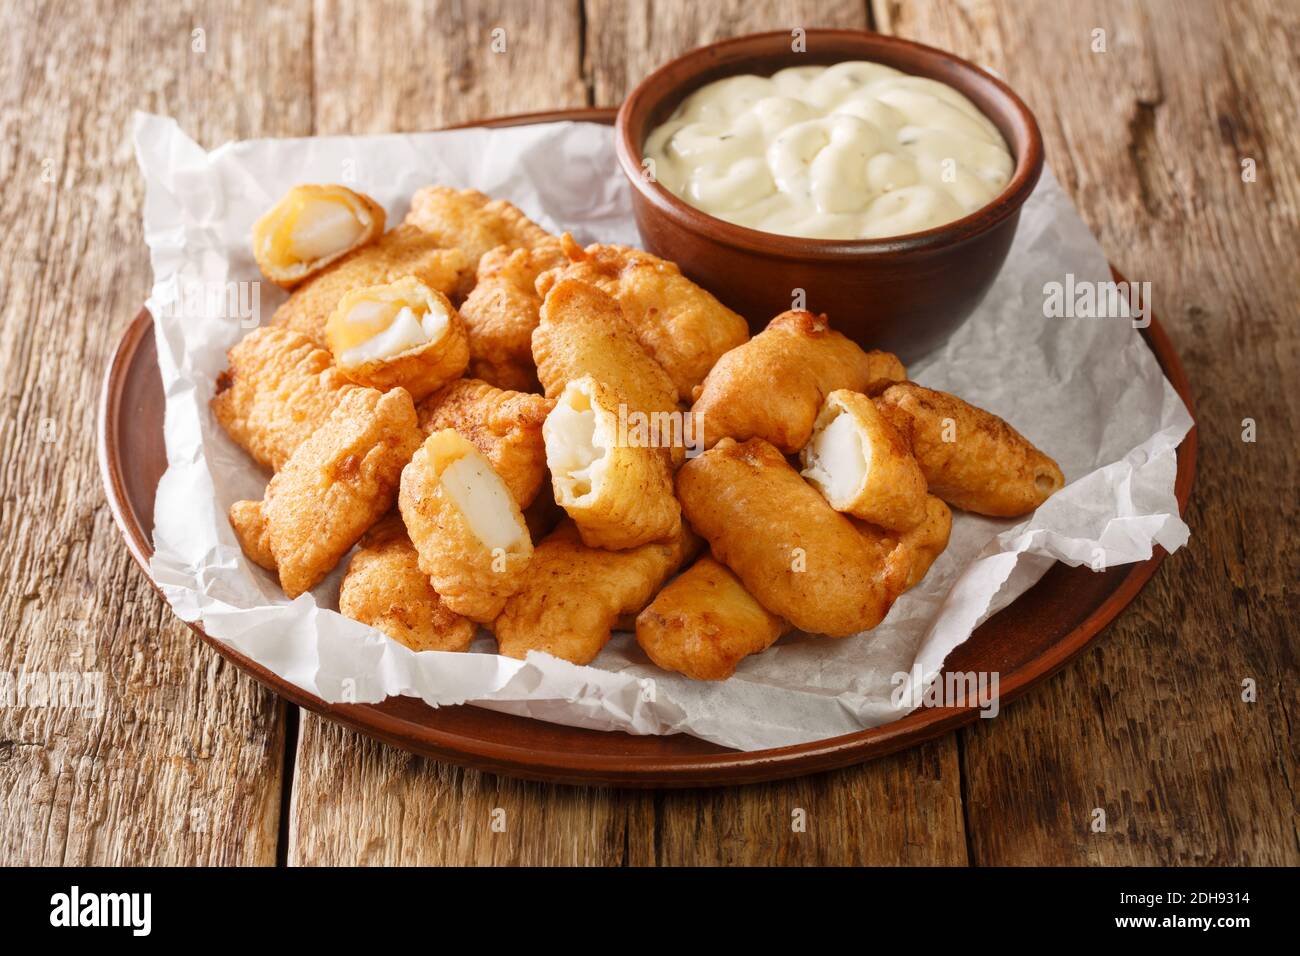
{"x": 705, "y": 622}
{"x": 400, "y": 334}
{"x": 908, "y": 555}
{"x": 403, "y": 251}
{"x": 684, "y": 327}
{"x": 862, "y": 465}
{"x": 311, "y": 227}
{"x": 338, "y": 483}
{"x": 773, "y": 386}
{"x": 619, "y": 495}
{"x": 573, "y": 596}
{"x": 467, "y": 219}
{"x": 280, "y": 388}
{"x": 505, "y": 426}
{"x": 970, "y": 458}
{"x": 470, "y": 535}
{"x": 800, "y": 558}
{"x": 582, "y": 332}
{"x": 502, "y": 311}
{"x": 385, "y": 588}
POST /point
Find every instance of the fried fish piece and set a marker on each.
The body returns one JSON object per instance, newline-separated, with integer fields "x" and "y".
{"x": 799, "y": 557}
{"x": 467, "y": 219}
{"x": 399, "y": 334}
{"x": 773, "y": 386}
{"x": 862, "y": 465}
{"x": 466, "y": 525}
{"x": 582, "y": 332}
{"x": 402, "y": 251}
{"x": 505, "y": 426}
{"x": 280, "y": 388}
{"x": 573, "y": 595}
{"x": 312, "y": 227}
{"x": 970, "y": 458}
{"x": 683, "y": 326}
{"x": 385, "y": 588}
{"x": 337, "y": 483}
{"x": 502, "y": 310}
{"x": 909, "y": 554}
{"x": 620, "y": 495}
{"x": 704, "y": 622}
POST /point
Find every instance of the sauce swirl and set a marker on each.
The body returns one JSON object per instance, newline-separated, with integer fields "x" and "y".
{"x": 856, "y": 150}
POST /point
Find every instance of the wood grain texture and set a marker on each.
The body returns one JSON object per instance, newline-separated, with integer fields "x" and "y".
{"x": 183, "y": 762}
{"x": 625, "y": 41}
{"x": 358, "y": 802}
{"x": 397, "y": 66}
{"x": 902, "y": 810}
{"x": 1149, "y": 137}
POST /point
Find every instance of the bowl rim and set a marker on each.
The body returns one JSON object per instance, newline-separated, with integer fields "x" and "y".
{"x": 1004, "y": 205}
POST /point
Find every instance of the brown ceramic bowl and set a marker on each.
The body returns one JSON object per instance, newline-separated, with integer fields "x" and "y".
{"x": 906, "y": 293}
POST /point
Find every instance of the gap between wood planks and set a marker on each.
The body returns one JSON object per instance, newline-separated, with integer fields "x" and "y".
{"x": 292, "y": 715}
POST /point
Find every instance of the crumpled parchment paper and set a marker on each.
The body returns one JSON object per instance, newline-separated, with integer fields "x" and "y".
{"x": 1086, "y": 390}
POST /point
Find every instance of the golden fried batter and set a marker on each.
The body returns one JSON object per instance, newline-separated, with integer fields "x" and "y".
{"x": 505, "y": 426}
{"x": 705, "y": 622}
{"x": 908, "y": 555}
{"x": 800, "y": 558}
{"x": 502, "y": 311}
{"x": 773, "y": 386}
{"x": 684, "y": 327}
{"x": 467, "y": 219}
{"x": 465, "y": 524}
{"x": 573, "y": 595}
{"x": 399, "y": 334}
{"x": 312, "y": 227}
{"x": 402, "y": 251}
{"x": 337, "y": 484}
{"x": 970, "y": 458}
{"x": 280, "y": 388}
{"x": 582, "y": 332}
{"x": 619, "y": 494}
{"x": 385, "y": 588}
{"x": 862, "y": 465}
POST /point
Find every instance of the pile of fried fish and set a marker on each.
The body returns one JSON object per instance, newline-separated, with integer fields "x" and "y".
{"x": 556, "y": 442}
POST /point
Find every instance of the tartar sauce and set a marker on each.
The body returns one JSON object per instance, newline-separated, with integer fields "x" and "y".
{"x": 852, "y": 151}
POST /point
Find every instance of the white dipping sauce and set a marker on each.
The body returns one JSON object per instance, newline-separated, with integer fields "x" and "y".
{"x": 851, "y": 151}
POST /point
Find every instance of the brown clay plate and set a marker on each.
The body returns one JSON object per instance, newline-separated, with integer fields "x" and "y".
{"x": 1025, "y": 643}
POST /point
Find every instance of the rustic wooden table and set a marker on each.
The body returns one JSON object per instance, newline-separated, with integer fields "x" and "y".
{"x": 192, "y": 763}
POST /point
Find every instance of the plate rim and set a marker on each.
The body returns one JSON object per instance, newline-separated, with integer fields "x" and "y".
{"x": 724, "y": 768}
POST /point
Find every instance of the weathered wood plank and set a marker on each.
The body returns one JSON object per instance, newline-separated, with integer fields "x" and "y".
{"x": 395, "y": 66}
{"x": 1149, "y": 138}
{"x": 625, "y": 41}
{"x": 183, "y": 763}
{"x": 358, "y": 802}
{"x": 902, "y": 810}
